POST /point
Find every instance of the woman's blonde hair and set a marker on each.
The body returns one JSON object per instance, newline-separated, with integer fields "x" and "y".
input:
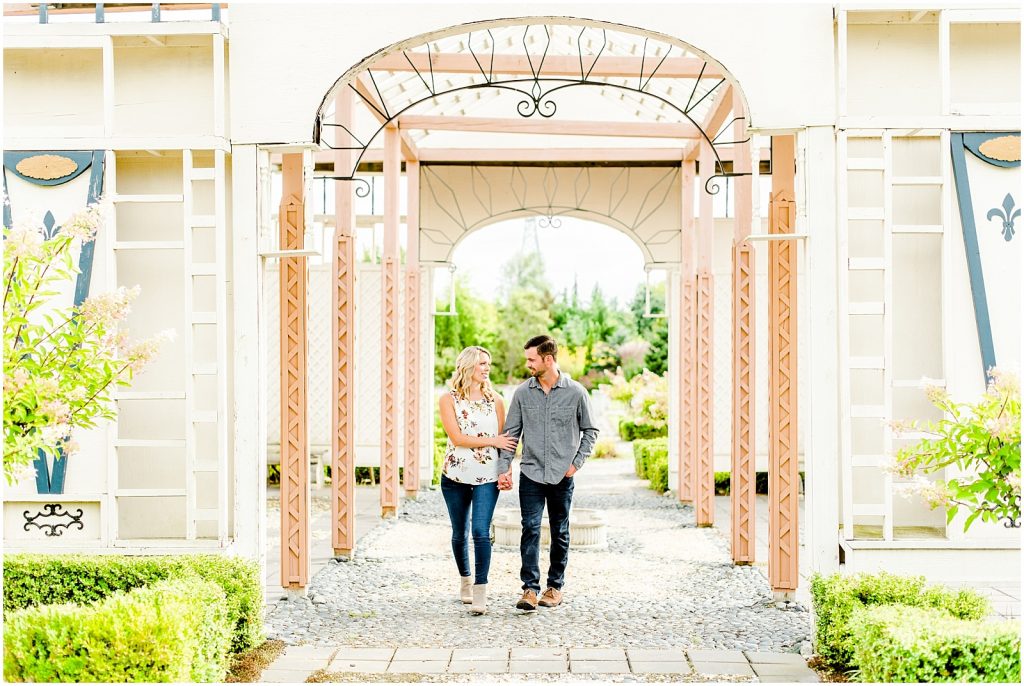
{"x": 465, "y": 363}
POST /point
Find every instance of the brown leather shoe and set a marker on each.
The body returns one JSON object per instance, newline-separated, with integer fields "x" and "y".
{"x": 552, "y": 597}
{"x": 529, "y": 600}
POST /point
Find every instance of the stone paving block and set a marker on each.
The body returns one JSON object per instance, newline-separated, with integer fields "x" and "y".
{"x": 809, "y": 678}
{"x": 432, "y": 654}
{"x": 599, "y": 667}
{"x": 776, "y": 658}
{"x": 725, "y": 668}
{"x": 284, "y": 676}
{"x": 538, "y": 666}
{"x": 661, "y": 667}
{"x": 418, "y": 667}
{"x": 315, "y": 652}
{"x": 777, "y": 669}
{"x": 343, "y": 665}
{"x": 716, "y": 656}
{"x": 656, "y": 655}
{"x": 538, "y": 653}
{"x": 478, "y": 667}
{"x": 480, "y": 654}
{"x": 364, "y": 654}
{"x": 599, "y": 654}
{"x": 299, "y": 663}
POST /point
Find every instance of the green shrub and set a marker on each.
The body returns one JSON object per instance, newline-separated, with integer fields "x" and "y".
{"x": 631, "y": 431}
{"x": 899, "y": 644}
{"x": 31, "y": 580}
{"x": 650, "y": 459}
{"x": 440, "y": 447}
{"x": 722, "y": 483}
{"x": 645, "y": 450}
{"x": 604, "y": 448}
{"x": 172, "y": 631}
{"x": 836, "y": 596}
{"x": 657, "y": 472}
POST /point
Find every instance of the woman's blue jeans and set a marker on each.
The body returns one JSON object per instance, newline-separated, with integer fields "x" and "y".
{"x": 471, "y": 507}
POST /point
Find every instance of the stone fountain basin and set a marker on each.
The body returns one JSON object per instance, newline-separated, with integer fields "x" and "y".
{"x": 587, "y": 529}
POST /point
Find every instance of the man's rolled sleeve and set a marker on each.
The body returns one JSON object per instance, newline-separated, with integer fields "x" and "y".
{"x": 588, "y": 432}
{"x": 514, "y": 428}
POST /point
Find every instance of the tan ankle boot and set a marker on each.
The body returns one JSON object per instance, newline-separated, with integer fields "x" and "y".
{"x": 479, "y": 605}
{"x": 466, "y": 589}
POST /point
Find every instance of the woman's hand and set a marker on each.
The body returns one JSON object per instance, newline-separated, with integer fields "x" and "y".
{"x": 505, "y": 442}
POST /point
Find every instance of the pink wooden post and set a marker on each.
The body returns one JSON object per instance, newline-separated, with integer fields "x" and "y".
{"x": 783, "y": 475}
{"x": 687, "y": 328}
{"x": 342, "y": 334}
{"x": 742, "y": 480}
{"x": 704, "y": 491}
{"x": 389, "y": 328}
{"x": 412, "y": 331}
{"x": 294, "y": 439}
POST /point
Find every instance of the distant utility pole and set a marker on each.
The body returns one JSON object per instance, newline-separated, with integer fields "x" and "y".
{"x": 530, "y": 235}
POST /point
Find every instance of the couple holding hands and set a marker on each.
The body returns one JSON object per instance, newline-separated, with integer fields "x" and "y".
{"x": 550, "y": 416}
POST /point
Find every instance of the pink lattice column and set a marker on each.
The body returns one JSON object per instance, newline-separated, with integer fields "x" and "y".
{"x": 687, "y": 326}
{"x": 704, "y": 487}
{"x": 343, "y": 537}
{"x": 742, "y": 481}
{"x": 389, "y": 327}
{"x": 412, "y": 331}
{"x": 783, "y": 474}
{"x": 294, "y": 439}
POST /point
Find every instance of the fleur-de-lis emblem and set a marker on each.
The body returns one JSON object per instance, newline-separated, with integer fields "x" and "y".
{"x": 1007, "y": 214}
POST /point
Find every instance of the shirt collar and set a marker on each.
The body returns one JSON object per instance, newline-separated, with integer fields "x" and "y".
{"x": 563, "y": 381}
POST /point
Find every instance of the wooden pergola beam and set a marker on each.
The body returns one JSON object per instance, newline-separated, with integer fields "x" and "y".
{"x": 375, "y": 155}
{"x": 373, "y": 104}
{"x": 552, "y": 65}
{"x": 549, "y": 127}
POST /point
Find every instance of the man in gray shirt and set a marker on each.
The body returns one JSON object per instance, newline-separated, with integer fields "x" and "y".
{"x": 550, "y": 415}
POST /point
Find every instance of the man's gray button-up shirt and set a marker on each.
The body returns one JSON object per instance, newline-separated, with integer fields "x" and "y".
{"x": 555, "y": 429}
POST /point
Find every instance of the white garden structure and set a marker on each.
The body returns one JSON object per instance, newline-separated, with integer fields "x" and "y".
{"x": 889, "y": 138}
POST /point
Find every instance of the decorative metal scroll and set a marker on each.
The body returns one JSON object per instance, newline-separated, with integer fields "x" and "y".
{"x": 54, "y": 511}
{"x": 536, "y": 91}
{"x": 1013, "y": 522}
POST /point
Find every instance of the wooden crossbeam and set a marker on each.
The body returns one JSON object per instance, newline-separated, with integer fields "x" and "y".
{"x": 376, "y": 155}
{"x": 559, "y": 128}
{"x": 551, "y": 65}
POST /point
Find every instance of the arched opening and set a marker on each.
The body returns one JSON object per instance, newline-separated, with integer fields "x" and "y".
{"x": 694, "y": 128}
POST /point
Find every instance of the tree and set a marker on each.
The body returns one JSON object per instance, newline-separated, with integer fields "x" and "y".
{"x": 524, "y": 311}
{"x": 474, "y": 323}
{"x": 60, "y": 363}
{"x": 980, "y": 442}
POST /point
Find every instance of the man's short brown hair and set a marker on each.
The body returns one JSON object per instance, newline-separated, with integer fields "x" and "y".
{"x": 544, "y": 344}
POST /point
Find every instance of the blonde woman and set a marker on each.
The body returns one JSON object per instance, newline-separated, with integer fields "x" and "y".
{"x": 473, "y": 413}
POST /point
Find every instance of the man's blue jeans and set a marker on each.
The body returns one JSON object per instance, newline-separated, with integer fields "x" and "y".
{"x": 532, "y": 498}
{"x": 471, "y": 507}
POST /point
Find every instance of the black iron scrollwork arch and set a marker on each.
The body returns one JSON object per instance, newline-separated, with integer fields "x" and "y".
{"x": 536, "y": 91}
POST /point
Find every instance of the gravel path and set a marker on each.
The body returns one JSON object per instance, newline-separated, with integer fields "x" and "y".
{"x": 661, "y": 582}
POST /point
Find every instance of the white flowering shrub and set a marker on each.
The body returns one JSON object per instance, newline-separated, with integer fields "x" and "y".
{"x": 60, "y": 363}
{"x": 982, "y": 440}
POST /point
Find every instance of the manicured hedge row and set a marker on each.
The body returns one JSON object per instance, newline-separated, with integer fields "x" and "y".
{"x": 172, "y": 631}
{"x": 32, "y": 580}
{"x": 836, "y": 597}
{"x": 650, "y": 459}
{"x": 631, "y": 431}
{"x": 899, "y": 644}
